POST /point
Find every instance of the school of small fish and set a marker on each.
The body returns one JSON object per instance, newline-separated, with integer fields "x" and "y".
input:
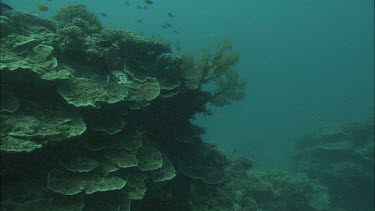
{"x": 144, "y": 5}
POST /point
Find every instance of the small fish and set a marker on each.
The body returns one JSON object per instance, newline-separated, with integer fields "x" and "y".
{"x": 139, "y": 21}
{"x": 169, "y": 25}
{"x": 163, "y": 26}
{"x": 145, "y": 7}
{"x": 103, "y": 14}
{"x": 175, "y": 31}
{"x": 170, "y": 15}
{"x": 139, "y": 7}
{"x": 148, "y": 2}
{"x": 42, "y": 8}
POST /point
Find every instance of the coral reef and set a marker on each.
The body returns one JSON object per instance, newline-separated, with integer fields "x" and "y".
{"x": 97, "y": 118}
{"x": 260, "y": 189}
{"x": 342, "y": 158}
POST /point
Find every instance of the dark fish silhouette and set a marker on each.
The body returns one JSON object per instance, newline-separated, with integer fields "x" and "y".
{"x": 169, "y": 25}
{"x": 148, "y": 2}
{"x": 164, "y": 26}
{"x": 139, "y": 21}
{"x": 139, "y": 7}
{"x": 170, "y": 15}
{"x": 103, "y": 14}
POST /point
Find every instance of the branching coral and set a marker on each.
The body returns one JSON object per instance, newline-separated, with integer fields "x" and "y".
{"x": 228, "y": 89}
{"x": 77, "y": 15}
{"x": 75, "y": 24}
{"x": 217, "y": 68}
{"x": 214, "y": 66}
